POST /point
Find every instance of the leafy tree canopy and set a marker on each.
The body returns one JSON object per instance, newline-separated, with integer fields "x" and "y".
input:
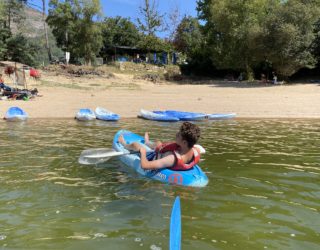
{"x": 153, "y": 43}
{"x": 119, "y": 31}
{"x": 12, "y": 12}
{"x": 188, "y": 35}
{"x": 151, "y": 19}
{"x": 240, "y": 34}
{"x": 74, "y": 25}
{"x": 316, "y": 42}
{"x": 19, "y": 49}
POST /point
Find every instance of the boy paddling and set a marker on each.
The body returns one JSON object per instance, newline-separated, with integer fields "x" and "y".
{"x": 178, "y": 155}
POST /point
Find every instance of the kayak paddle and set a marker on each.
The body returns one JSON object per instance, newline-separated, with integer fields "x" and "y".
{"x": 100, "y": 155}
{"x": 175, "y": 226}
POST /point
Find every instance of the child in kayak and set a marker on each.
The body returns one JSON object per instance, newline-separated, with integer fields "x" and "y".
{"x": 178, "y": 155}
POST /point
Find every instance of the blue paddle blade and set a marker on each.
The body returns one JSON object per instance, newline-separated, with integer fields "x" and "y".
{"x": 175, "y": 226}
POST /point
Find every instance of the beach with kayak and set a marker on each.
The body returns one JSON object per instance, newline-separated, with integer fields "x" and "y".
{"x": 62, "y": 96}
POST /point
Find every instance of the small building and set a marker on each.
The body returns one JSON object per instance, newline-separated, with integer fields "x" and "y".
{"x": 137, "y": 55}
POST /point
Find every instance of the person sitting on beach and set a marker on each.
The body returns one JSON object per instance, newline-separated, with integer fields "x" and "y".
{"x": 1, "y": 81}
{"x": 178, "y": 155}
{"x": 3, "y": 87}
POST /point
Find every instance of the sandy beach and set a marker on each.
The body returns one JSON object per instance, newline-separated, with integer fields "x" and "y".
{"x": 62, "y": 97}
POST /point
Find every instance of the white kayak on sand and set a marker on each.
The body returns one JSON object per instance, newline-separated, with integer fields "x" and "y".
{"x": 85, "y": 115}
{"x": 106, "y": 115}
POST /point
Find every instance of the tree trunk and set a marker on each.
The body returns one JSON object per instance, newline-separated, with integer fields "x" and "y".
{"x": 9, "y": 19}
{"x": 46, "y": 29}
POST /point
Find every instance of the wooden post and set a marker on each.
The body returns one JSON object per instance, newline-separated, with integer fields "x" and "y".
{"x": 25, "y": 80}
{"x": 15, "y": 76}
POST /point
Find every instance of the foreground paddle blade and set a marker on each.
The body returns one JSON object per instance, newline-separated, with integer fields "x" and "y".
{"x": 175, "y": 226}
{"x": 95, "y": 156}
{"x": 108, "y": 154}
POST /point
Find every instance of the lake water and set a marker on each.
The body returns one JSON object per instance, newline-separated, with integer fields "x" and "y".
{"x": 263, "y": 191}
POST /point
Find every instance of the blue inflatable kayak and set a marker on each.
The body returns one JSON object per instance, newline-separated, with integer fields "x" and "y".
{"x": 183, "y": 116}
{"x": 193, "y": 116}
{"x": 15, "y": 114}
{"x": 106, "y": 115}
{"x": 221, "y": 116}
{"x": 194, "y": 177}
{"x": 149, "y": 115}
{"x": 85, "y": 115}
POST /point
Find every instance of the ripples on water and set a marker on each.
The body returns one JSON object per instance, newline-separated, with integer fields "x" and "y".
{"x": 263, "y": 192}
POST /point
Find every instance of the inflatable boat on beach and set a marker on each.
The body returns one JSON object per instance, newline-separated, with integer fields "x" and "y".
{"x": 85, "y": 115}
{"x": 105, "y": 115}
{"x": 221, "y": 116}
{"x": 15, "y": 114}
{"x": 194, "y": 116}
{"x": 182, "y": 115}
{"x": 149, "y": 115}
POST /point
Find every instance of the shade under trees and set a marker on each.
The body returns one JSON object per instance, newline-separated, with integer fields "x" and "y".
{"x": 241, "y": 34}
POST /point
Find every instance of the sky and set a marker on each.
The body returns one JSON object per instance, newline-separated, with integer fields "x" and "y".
{"x": 130, "y": 8}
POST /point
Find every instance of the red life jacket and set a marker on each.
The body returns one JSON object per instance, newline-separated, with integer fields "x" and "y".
{"x": 179, "y": 164}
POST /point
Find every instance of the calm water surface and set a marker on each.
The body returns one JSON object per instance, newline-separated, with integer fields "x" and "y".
{"x": 264, "y": 188}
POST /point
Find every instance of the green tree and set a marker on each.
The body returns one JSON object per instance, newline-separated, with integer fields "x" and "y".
{"x": 89, "y": 34}
{"x": 5, "y": 34}
{"x": 188, "y": 35}
{"x": 19, "y": 49}
{"x": 62, "y": 19}
{"x": 13, "y": 12}
{"x": 1, "y": 14}
{"x": 231, "y": 30}
{"x": 240, "y": 33}
{"x": 288, "y": 34}
{"x": 14, "y": 47}
{"x": 151, "y": 21}
{"x": 119, "y": 31}
{"x": 153, "y": 43}
{"x": 74, "y": 25}
{"x": 316, "y": 42}
{"x": 174, "y": 19}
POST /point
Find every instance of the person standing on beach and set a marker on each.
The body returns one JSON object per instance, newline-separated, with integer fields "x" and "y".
{"x": 1, "y": 80}
{"x": 275, "y": 78}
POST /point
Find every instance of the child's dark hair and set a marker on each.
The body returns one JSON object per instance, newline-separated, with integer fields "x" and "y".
{"x": 190, "y": 132}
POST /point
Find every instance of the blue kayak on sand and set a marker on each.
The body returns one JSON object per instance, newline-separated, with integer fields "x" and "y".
{"x": 106, "y": 115}
{"x": 85, "y": 115}
{"x": 15, "y": 114}
{"x": 149, "y": 115}
{"x": 183, "y": 116}
{"x": 221, "y": 116}
{"x": 193, "y": 177}
{"x": 194, "y": 116}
